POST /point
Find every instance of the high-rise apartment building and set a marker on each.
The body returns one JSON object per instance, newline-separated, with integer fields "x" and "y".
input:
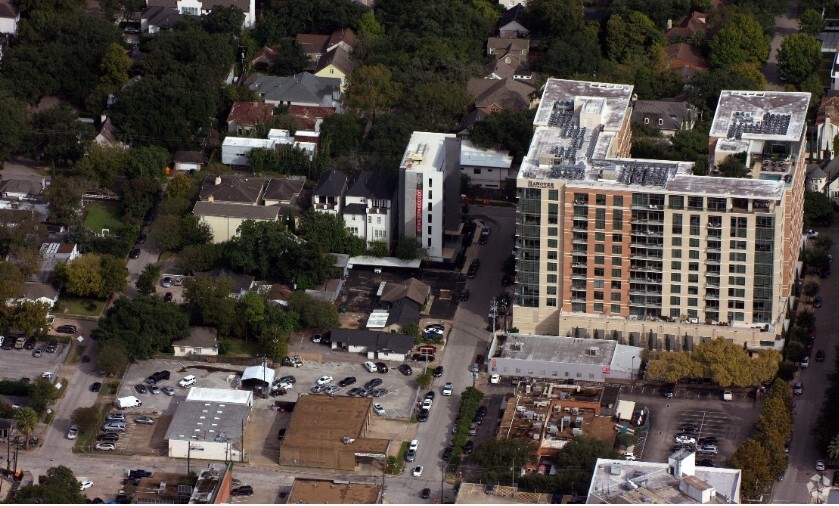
{"x": 643, "y": 250}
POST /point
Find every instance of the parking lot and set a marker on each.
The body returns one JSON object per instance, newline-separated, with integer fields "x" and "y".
{"x": 16, "y": 364}
{"x": 729, "y": 422}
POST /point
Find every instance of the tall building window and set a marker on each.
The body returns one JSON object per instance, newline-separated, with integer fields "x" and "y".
{"x": 553, "y": 194}
{"x": 617, "y": 200}
{"x": 676, "y": 202}
{"x": 600, "y": 199}
{"x": 677, "y": 223}
{"x": 600, "y": 219}
{"x": 617, "y": 219}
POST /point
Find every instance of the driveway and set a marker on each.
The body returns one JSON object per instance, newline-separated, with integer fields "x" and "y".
{"x": 785, "y": 24}
{"x": 803, "y": 450}
{"x": 149, "y": 253}
{"x": 469, "y": 337}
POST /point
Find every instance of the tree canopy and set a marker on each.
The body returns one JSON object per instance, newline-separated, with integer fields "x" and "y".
{"x": 58, "y": 486}
{"x": 142, "y": 326}
{"x": 740, "y": 40}
{"x": 725, "y": 363}
{"x": 800, "y": 55}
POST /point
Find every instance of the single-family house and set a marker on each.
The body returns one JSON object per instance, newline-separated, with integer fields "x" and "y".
{"x": 834, "y": 74}
{"x": 335, "y": 63}
{"x": 9, "y": 17}
{"x": 314, "y": 46}
{"x": 188, "y": 161}
{"x": 300, "y": 89}
{"x": 376, "y": 345}
{"x": 22, "y": 189}
{"x": 413, "y": 290}
{"x": 224, "y": 219}
{"x": 666, "y": 116}
{"x": 241, "y": 283}
{"x": 201, "y": 341}
{"x": 510, "y": 67}
{"x": 486, "y": 168}
{"x": 815, "y": 179}
{"x": 499, "y": 46}
{"x": 107, "y": 135}
{"x": 155, "y": 18}
{"x": 468, "y": 121}
{"x": 511, "y": 23}
{"x": 401, "y": 312}
{"x": 831, "y": 170}
{"x": 203, "y": 7}
{"x": 492, "y": 95}
{"x": 685, "y": 59}
{"x": 265, "y": 58}
{"x": 283, "y": 191}
{"x": 53, "y": 253}
{"x": 329, "y": 192}
{"x": 245, "y": 118}
{"x": 827, "y": 125}
{"x": 232, "y": 189}
{"x": 42, "y": 293}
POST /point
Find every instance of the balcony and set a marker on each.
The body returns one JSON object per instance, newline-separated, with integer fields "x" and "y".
{"x": 713, "y": 246}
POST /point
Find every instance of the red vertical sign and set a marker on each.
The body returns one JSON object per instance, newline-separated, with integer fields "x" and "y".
{"x": 419, "y": 211}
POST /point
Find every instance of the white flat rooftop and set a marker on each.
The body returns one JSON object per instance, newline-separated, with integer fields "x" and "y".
{"x": 224, "y": 396}
{"x": 473, "y": 156}
{"x": 761, "y": 115}
{"x": 249, "y": 142}
{"x": 426, "y": 151}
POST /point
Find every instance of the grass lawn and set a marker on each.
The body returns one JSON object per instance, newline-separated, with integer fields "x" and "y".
{"x": 240, "y": 347}
{"x": 101, "y": 216}
{"x": 80, "y": 306}
{"x": 395, "y": 468}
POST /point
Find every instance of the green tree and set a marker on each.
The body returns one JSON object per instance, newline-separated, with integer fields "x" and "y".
{"x": 147, "y": 280}
{"x": 84, "y": 275}
{"x": 86, "y": 418}
{"x": 313, "y": 313}
{"x": 42, "y": 393}
{"x": 142, "y": 326}
{"x": 833, "y": 448}
{"x": 436, "y": 106}
{"x": 114, "y": 67}
{"x": 633, "y": 38}
{"x": 371, "y": 91}
{"x": 509, "y": 130}
{"x": 290, "y": 58}
{"x": 754, "y": 462}
{"x": 576, "y": 460}
{"x": 329, "y": 232}
{"x": 740, "y": 40}
{"x": 496, "y": 456}
{"x": 138, "y": 196}
{"x": 411, "y": 329}
{"x": 210, "y": 302}
{"x": 199, "y": 258}
{"x": 58, "y": 137}
{"x": 425, "y": 379}
{"x": 577, "y": 54}
{"x": 180, "y": 186}
{"x": 818, "y": 209}
{"x": 31, "y": 318}
{"x": 112, "y": 358}
{"x": 147, "y": 163}
{"x": 11, "y": 281}
{"x": 15, "y": 126}
{"x": 64, "y": 196}
{"x": 408, "y": 248}
{"x": 26, "y": 419}
{"x": 813, "y": 86}
{"x": 548, "y": 17}
{"x": 378, "y": 249}
{"x": 58, "y": 486}
{"x": 750, "y": 74}
{"x": 810, "y": 288}
{"x": 368, "y": 26}
{"x": 734, "y": 166}
{"x": 102, "y": 164}
{"x": 166, "y": 232}
{"x": 225, "y": 20}
{"x": 799, "y": 56}
{"x": 811, "y": 22}
{"x": 114, "y": 275}
{"x": 343, "y": 132}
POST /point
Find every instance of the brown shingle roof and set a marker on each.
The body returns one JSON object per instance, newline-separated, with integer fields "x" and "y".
{"x": 829, "y": 108}
{"x": 312, "y": 43}
{"x": 236, "y": 189}
{"x": 688, "y": 25}
{"x": 203, "y": 337}
{"x": 412, "y": 289}
{"x": 507, "y": 94}
{"x": 308, "y": 115}
{"x": 264, "y": 58}
{"x": 250, "y": 114}
{"x": 189, "y": 157}
{"x": 338, "y": 57}
{"x": 500, "y": 45}
{"x": 227, "y": 210}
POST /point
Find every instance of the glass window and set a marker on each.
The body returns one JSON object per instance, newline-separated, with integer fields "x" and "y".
{"x": 598, "y": 295}
{"x": 599, "y": 260}
{"x": 617, "y": 200}
{"x": 598, "y": 308}
{"x": 616, "y": 260}
{"x": 599, "y": 236}
{"x": 617, "y": 237}
{"x": 600, "y": 200}
{"x": 675, "y": 276}
{"x": 676, "y": 241}
{"x": 675, "y": 301}
{"x": 616, "y": 308}
{"x": 551, "y": 302}
{"x": 553, "y": 194}
{"x": 552, "y": 243}
{"x": 552, "y": 278}
{"x": 552, "y": 266}
{"x": 599, "y": 248}
{"x": 616, "y": 273}
{"x": 616, "y": 297}
{"x": 676, "y": 202}
{"x": 598, "y": 271}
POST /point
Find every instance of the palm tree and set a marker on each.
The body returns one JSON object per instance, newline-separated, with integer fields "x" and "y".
{"x": 26, "y": 420}
{"x": 833, "y": 448}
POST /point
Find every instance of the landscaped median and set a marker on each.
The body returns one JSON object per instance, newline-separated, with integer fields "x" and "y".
{"x": 470, "y": 401}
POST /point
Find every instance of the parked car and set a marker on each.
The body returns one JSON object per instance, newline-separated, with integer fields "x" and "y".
{"x": 95, "y": 387}
{"x": 168, "y": 390}
{"x": 423, "y": 357}
{"x": 820, "y": 356}
{"x": 378, "y": 392}
{"x": 378, "y": 409}
{"x": 464, "y": 295}
{"x": 469, "y": 446}
{"x": 817, "y": 302}
{"x": 820, "y": 465}
{"x": 144, "y": 420}
{"x": 430, "y": 395}
{"x": 473, "y": 269}
{"x": 85, "y": 483}
{"x": 316, "y": 338}
{"x": 373, "y": 383}
{"x": 288, "y": 379}
{"x": 411, "y": 455}
{"x": 347, "y": 381}
{"x": 406, "y": 369}
{"x": 108, "y": 437}
{"x": 30, "y": 344}
{"x": 168, "y": 297}
{"x": 114, "y": 426}
{"x": 66, "y": 329}
{"x": 447, "y": 453}
{"x": 73, "y": 432}
{"x": 426, "y": 493}
{"x": 417, "y": 472}
{"x": 727, "y": 395}
{"x": 166, "y": 282}
{"x": 426, "y": 403}
{"x": 154, "y": 390}
{"x": 447, "y": 388}
{"x": 135, "y": 253}
{"x": 805, "y": 362}
{"x": 382, "y": 367}
{"x": 281, "y": 434}
{"x": 423, "y": 415}
{"x": 115, "y": 417}
{"x": 438, "y": 371}
{"x": 331, "y": 389}
{"x": 316, "y": 389}
{"x": 670, "y": 390}
{"x": 495, "y": 379}
{"x": 685, "y": 439}
{"x": 140, "y": 389}
{"x": 798, "y": 388}
{"x": 484, "y": 237}
{"x": 37, "y": 353}
{"x": 244, "y": 490}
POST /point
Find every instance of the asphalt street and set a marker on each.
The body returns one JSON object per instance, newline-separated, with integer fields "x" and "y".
{"x": 785, "y": 24}
{"x": 469, "y": 337}
{"x": 803, "y": 451}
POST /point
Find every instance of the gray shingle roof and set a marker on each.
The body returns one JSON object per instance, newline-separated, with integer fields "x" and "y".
{"x": 403, "y": 311}
{"x": 246, "y": 190}
{"x": 303, "y": 88}
{"x": 284, "y": 189}
{"x": 331, "y": 183}
{"x": 243, "y": 211}
{"x": 376, "y": 185}
{"x": 674, "y": 114}
{"x": 355, "y": 209}
{"x": 514, "y": 14}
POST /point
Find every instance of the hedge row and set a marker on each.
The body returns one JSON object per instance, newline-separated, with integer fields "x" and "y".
{"x": 470, "y": 401}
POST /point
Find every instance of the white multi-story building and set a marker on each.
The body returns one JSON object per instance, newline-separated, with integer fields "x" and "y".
{"x": 370, "y": 207}
{"x": 203, "y": 7}
{"x": 429, "y": 187}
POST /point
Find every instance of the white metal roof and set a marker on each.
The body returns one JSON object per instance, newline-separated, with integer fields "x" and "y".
{"x": 624, "y": 410}
{"x": 249, "y": 142}
{"x": 260, "y": 372}
{"x": 378, "y": 319}
{"x": 383, "y": 262}
{"x": 220, "y": 395}
{"x": 425, "y": 152}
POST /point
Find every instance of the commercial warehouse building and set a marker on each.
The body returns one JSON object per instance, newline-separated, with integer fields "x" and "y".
{"x": 643, "y": 250}
{"x": 330, "y": 432}
{"x": 210, "y": 425}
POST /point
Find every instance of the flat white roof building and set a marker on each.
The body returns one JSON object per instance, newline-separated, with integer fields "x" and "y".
{"x": 486, "y": 168}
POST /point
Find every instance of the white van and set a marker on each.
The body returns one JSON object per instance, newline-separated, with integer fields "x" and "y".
{"x": 371, "y": 367}
{"x": 187, "y": 381}
{"x": 125, "y": 403}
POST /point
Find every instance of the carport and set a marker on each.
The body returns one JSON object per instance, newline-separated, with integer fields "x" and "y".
{"x": 257, "y": 376}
